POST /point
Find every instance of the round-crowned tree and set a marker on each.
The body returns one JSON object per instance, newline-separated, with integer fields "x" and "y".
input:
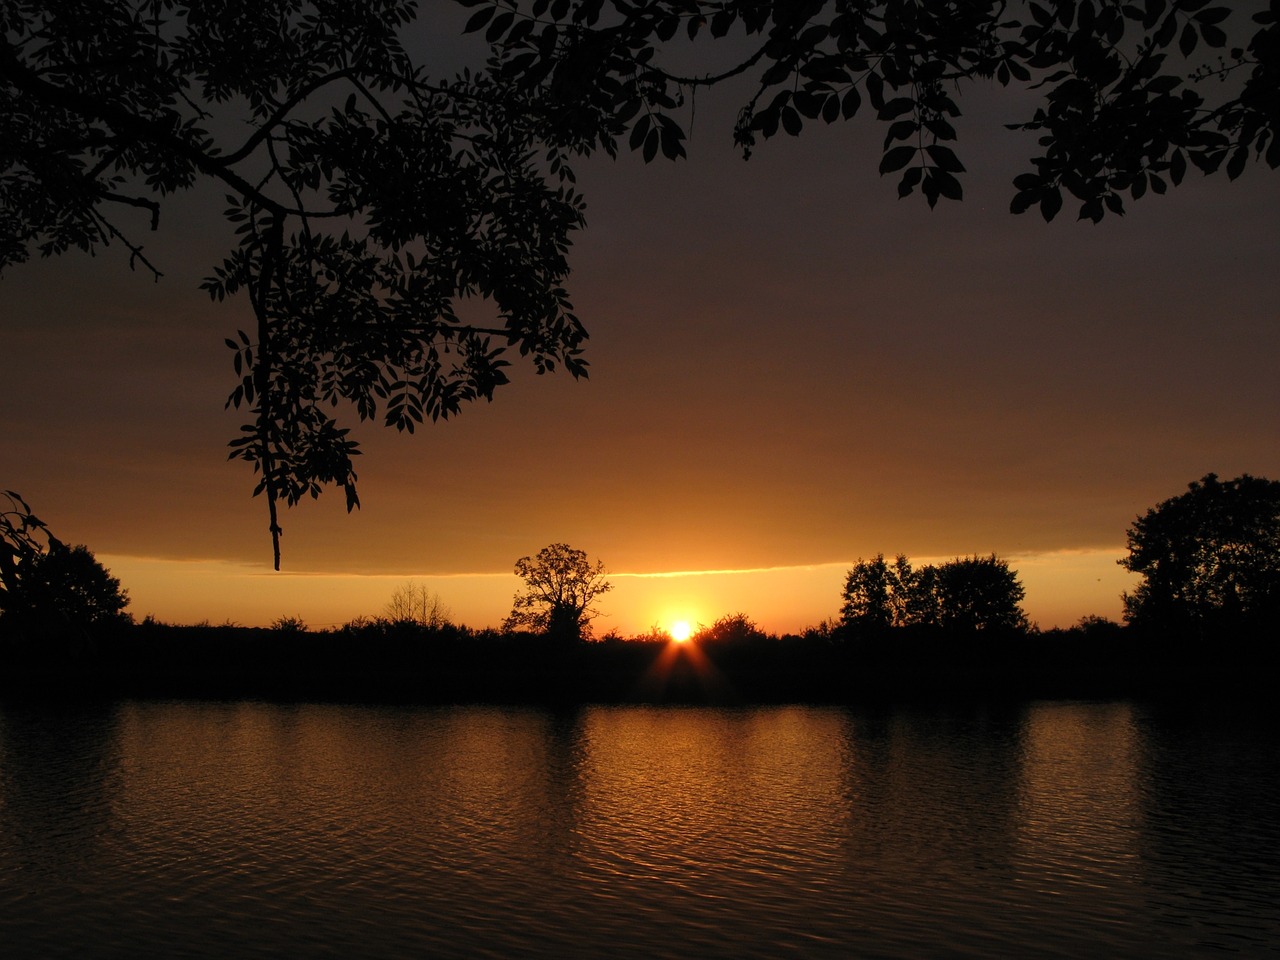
{"x": 561, "y": 583}
{"x": 1209, "y": 559}
{"x": 48, "y": 587}
{"x": 68, "y": 584}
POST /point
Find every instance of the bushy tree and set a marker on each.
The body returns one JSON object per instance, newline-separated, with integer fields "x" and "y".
{"x": 730, "y": 628}
{"x": 968, "y": 594}
{"x": 1209, "y": 558}
{"x": 921, "y": 602}
{"x": 47, "y": 586}
{"x": 561, "y": 583}
{"x": 367, "y": 197}
{"x": 980, "y": 594}
{"x": 874, "y": 595}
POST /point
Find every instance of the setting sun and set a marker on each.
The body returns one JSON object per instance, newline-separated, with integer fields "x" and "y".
{"x": 681, "y": 631}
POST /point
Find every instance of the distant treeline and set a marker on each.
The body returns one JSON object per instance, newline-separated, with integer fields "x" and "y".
{"x": 730, "y": 662}
{"x": 1201, "y": 621}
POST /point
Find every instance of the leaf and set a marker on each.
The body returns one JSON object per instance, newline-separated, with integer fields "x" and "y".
{"x": 1022, "y": 201}
{"x": 478, "y": 20}
{"x": 896, "y": 159}
{"x": 899, "y": 130}
{"x": 944, "y": 158}
{"x": 1091, "y": 210}
{"x": 672, "y": 137}
{"x": 910, "y": 178}
{"x": 791, "y": 121}
{"x": 809, "y": 104}
{"x": 1213, "y": 15}
{"x": 947, "y": 185}
{"x": 1235, "y": 166}
{"x": 639, "y": 131}
{"x": 1050, "y": 203}
{"x": 1213, "y": 36}
{"x": 851, "y": 102}
{"x": 651, "y": 143}
{"x": 896, "y": 108}
{"x": 1187, "y": 42}
{"x": 875, "y": 90}
{"x": 499, "y": 26}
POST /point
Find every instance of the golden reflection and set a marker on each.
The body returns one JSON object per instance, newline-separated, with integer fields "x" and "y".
{"x": 697, "y": 800}
{"x": 1080, "y": 796}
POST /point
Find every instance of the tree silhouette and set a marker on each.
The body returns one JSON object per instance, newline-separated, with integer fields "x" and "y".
{"x": 1209, "y": 559}
{"x": 47, "y": 586}
{"x": 415, "y": 603}
{"x": 967, "y": 594}
{"x": 730, "y": 628}
{"x": 560, "y": 586}
{"x": 873, "y": 595}
{"x": 980, "y": 594}
{"x": 367, "y": 197}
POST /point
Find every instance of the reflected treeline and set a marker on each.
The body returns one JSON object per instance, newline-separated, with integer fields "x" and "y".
{"x": 59, "y": 772}
{"x": 935, "y": 795}
{"x": 1210, "y": 834}
{"x": 410, "y": 662}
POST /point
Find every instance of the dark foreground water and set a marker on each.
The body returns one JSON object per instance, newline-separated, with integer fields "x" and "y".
{"x": 242, "y": 830}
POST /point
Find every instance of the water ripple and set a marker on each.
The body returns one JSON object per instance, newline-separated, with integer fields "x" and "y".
{"x": 1056, "y": 830}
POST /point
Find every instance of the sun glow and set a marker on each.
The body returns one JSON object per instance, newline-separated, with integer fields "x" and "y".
{"x": 681, "y": 631}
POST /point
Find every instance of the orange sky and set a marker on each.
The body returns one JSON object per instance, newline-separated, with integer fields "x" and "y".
{"x": 781, "y": 599}
{"x": 791, "y": 369}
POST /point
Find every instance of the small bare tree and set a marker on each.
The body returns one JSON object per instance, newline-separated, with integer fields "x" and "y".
{"x": 413, "y": 602}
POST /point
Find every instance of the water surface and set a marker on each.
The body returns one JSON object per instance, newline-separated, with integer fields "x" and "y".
{"x": 215, "y": 830}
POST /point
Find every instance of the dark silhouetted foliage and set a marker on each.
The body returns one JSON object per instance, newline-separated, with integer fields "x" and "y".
{"x": 730, "y": 629}
{"x": 560, "y": 586}
{"x": 50, "y": 591}
{"x": 1209, "y": 559}
{"x": 367, "y": 197}
{"x": 965, "y": 595}
{"x": 980, "y": 594}
{"x": 23, "y": 537}
{"x": 874, "y": 597}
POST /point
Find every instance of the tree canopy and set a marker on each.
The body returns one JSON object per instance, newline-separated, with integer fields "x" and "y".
{"x": 46, "y": 585}
{"x": 1209, "y": 558}
{"x": 561, "y": 583}
{"x": 369, "y": 198}
{"x": 968, "y": 594}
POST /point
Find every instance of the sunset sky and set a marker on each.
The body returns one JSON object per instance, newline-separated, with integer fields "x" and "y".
{"x": 790, "y": 369}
